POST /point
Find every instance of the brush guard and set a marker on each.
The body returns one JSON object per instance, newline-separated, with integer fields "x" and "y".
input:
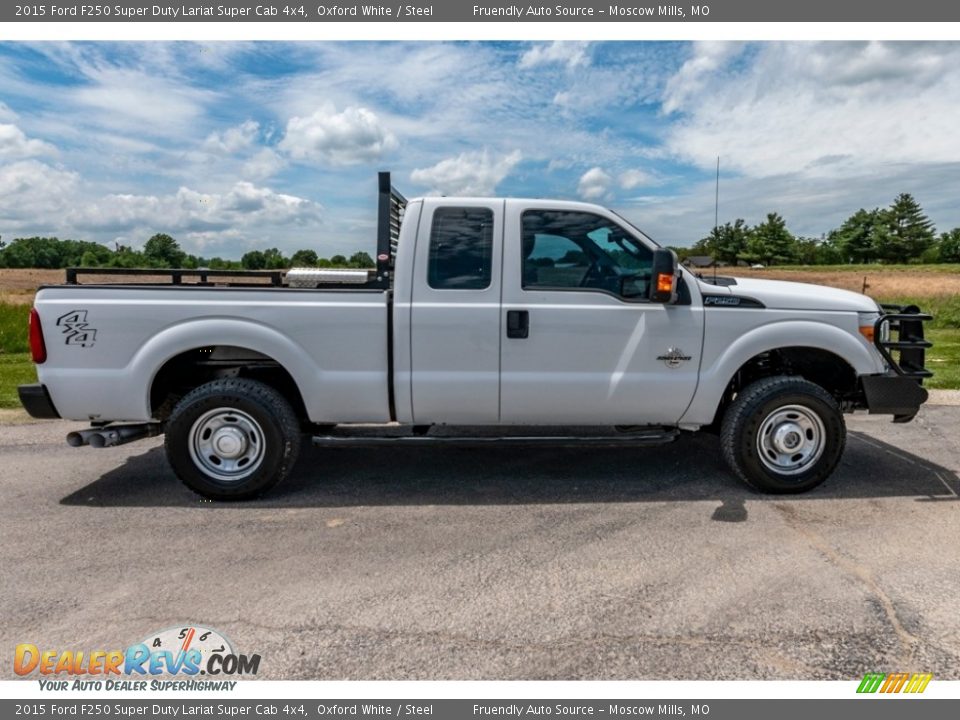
{"x": 899, "y": 392}
{"x": 905, "y": 326}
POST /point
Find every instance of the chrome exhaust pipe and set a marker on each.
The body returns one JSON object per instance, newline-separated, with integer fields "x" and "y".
{"x": 79, "y": 438}
{"x": 123, "y": 434}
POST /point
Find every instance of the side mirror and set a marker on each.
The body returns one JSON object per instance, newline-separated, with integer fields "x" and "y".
{"x": 663, "y": 276}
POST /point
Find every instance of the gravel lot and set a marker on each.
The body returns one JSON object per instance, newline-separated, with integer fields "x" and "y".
{"x": 499, "y": 563}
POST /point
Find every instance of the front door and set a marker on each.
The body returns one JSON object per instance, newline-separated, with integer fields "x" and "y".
{"x": 580, "y": 342}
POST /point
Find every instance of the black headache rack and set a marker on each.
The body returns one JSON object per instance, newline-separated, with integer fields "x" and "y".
{"x": 390, "y": 206}
{"x": 902, "y": 326}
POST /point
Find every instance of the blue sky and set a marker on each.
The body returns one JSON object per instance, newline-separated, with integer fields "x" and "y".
{"x": 233, "y": 146}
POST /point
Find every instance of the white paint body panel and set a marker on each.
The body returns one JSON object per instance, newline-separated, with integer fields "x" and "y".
{"x": 591, "y": 358}
{"x": 334, "y": 344}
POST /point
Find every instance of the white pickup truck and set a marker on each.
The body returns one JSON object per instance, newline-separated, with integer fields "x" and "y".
{"x": 555, "y": 321}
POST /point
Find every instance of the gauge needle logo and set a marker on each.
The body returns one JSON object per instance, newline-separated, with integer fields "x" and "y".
{"x": 186, "y": 645}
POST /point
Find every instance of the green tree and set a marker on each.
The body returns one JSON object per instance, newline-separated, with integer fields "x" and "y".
{"x": 771, "y": 242}
{"x": 304, "y": 258}
{"x": 858, "y": 237}
{"x": 338, "y": 261}
{"x": 908, "y": 230}
{"x": 829, "y": 252}
{"x": 807, "y": 250}
{"x": 361, "y": 260}
{"x": 950, "y": 246}
{"x": 253, "y": 260}
{"x": 731, "y": 241}
{"x": 161, "y": 250}
{"x": 274, "y": 259}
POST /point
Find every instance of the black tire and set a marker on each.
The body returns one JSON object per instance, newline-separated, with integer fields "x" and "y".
{"x": 783, "y": 435}
{"x": 232, "y": 439}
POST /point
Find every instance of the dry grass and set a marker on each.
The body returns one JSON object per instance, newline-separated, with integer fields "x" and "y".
{"x": 881, "y": 282}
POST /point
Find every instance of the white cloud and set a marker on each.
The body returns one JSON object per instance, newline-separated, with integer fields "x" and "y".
{"x": 263, "y": 164}
{"x": 234, "y": 139}
{"x": 823, "y": 110}
{"x": 470, "y": 173}
{"x": 35, "y": 195}
{"x": 244, "y": 206}
{"x": 594, "y": 184}
{"x": 708, "y": 57}
{"x": 569, "y": 53}
{"x": 138, "y": 102}
{"x": 353, "y": 136}
{"x": 631, "y": 179}
{"x": 14, "y": 144}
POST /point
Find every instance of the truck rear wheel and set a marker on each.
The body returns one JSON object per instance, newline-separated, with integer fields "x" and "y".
{"x": 232, "y": 439}
{"x": 783, "y": 435}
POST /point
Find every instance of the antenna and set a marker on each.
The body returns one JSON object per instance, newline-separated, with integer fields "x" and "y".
{"x": 716, "y": 216}
{"x": 716, "y": 202}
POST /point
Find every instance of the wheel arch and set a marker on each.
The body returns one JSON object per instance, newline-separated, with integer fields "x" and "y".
{"x": 185, "y": 356}
{"x": 823, "y": 354}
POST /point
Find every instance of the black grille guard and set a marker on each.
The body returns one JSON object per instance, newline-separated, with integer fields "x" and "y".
{"x": 905, "y": 323}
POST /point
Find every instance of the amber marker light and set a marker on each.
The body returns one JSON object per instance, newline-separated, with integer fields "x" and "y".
{"x": 665, "y": 284}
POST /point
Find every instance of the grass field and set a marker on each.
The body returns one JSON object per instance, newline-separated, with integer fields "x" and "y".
{"x": 15, "y": 369}
{"x": 934, "y": 288}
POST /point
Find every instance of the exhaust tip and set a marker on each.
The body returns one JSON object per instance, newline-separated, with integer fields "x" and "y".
{"x": 97, "y": 440}
{"x": 75, "y": 439}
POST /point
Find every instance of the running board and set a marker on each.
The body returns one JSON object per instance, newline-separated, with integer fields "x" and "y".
{"x": 634, "y": 439}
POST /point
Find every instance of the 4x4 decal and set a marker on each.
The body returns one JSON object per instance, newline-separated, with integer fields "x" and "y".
{"x": 75, "y": 327}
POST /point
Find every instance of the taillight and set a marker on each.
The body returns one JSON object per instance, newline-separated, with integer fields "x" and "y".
{"x": 38, "y": 348}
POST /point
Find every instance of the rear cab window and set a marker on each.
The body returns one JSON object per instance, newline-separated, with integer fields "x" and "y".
{"x": 461, "y": 249}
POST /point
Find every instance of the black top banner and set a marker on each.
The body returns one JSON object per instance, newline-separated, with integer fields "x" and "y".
{"x": 637, "y": 11}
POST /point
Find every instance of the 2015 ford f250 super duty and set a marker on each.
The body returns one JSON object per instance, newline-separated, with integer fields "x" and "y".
{"x": 535, "y": 316}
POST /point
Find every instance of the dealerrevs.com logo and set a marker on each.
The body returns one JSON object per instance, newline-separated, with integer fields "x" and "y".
{"x": 186, "y": 651}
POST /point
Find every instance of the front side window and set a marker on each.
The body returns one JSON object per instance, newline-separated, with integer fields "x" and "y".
{"x": 567, "y": 250}
{"x": 461, "y": 249}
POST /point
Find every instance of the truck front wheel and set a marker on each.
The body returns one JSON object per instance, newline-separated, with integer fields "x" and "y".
{"x": 783, "y": 435}
{"x": 232, "y": 439}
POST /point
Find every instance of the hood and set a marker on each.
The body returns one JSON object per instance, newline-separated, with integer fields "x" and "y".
{"x": 781, "y": 295}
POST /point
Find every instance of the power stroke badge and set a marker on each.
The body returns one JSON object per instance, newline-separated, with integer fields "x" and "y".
{"x": 74, "y": 326}
{"x": 673, "y": 357}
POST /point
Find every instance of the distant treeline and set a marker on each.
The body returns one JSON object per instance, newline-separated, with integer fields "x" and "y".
{"x": 160, "y": 251}
{"x": 901, "y": 233}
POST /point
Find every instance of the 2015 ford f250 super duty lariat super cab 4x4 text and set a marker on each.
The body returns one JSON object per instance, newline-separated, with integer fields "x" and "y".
{"x": 534, "y": 316}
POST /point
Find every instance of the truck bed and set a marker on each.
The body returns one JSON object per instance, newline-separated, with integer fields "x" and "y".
{"x": 105, "y": 343}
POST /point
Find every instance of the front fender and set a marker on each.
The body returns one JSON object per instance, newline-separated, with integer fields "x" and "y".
{"x": 715, "y": 378}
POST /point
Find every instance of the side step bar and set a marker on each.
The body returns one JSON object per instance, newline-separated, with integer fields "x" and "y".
{"x": 634, "y": 439}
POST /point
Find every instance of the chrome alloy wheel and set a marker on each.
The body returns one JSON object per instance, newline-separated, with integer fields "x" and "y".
{"x": 227, "y": 444}
{"x": 790, "y": 440}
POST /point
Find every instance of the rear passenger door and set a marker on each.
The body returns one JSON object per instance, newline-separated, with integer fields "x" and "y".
{"x": 455, "y": 314}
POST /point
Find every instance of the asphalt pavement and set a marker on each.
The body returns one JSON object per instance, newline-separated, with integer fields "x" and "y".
{"x": 497, "y": 562}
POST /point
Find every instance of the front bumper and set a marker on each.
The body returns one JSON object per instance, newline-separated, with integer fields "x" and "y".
{"x": 36, "y": 400}
{"x": 892, "y": 394}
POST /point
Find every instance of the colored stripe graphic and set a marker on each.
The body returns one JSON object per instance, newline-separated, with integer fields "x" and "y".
{"x": 918, "y": 683}
{"x": 894, "y": 683}
{"x": 870, "y": 683}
